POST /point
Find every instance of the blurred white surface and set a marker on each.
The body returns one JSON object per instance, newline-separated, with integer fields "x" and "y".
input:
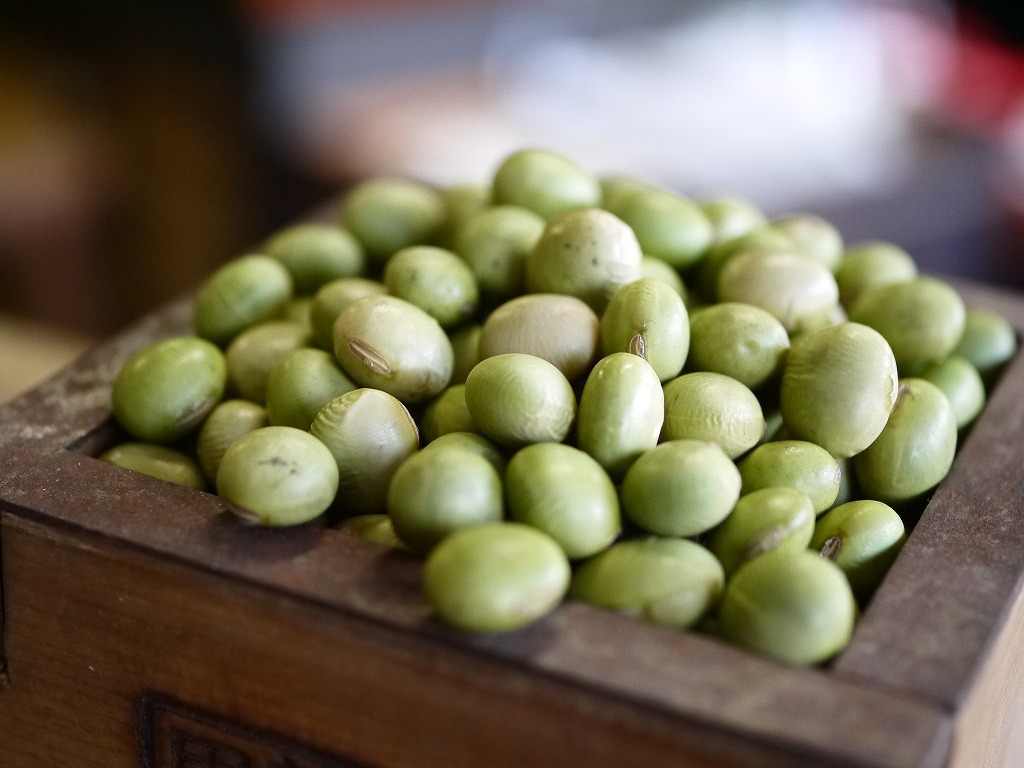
{"x": 785, "y": 103}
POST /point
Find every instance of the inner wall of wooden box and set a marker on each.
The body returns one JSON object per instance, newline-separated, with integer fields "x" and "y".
{"x": 916, "y": 650}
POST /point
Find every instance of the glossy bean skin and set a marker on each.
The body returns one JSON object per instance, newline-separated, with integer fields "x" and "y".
{"x": 516, "y": 399}
{"x": 277, "y": 476}
{"x": 796, "y": 607}
{"x": 159, "y": 461}
{"x": 864, "y": 538}
{"x": 680, "y": 488}
{"x": 544, "y": 182}
{"x": 875, "y": 262}
{"x": 247, "y": 290}
{"x": 494, "y": 243}
{"x": 814, "y": 237}
{"x": 795, "y": 290}
{"x": 446, "y": 413}
{"x": 330, "y": 299}
{"x": 838, "y": 387}
{"x": 561, "y": 329}
{"x": 795, "y": 464}
{"x": 649, "y": 319}
{"x": 226, "y": 423}
{"x": 387, "y": 214}
{"x": 389, "y": 344}
{"x": 435, "y": 280}
{"x": 588, "y": 253}
{"x": 316, "y": 253}
{"x": 669, "y": 581}
{"x": 668, "y": 226}
{"x": 962, "y": 385}
{"x": 914, "y": 451}
{"x": 738, "y": 340}
{"x": 301, "y": 384}
{"x": 496, "y": 577}
{"x": 564, "y": 492}
{"x": 922, "y": 319}
{"x": 433, "y": 494}
{"x": 988, "y": 342}
{"x": 715, "y": 408}
{"x": 763, "y": 520}
{"x": 369, "y": 433}
{"x": 256, "y": 351}
{"x": 164, "y": 391}
{"x": 621, "y": 412}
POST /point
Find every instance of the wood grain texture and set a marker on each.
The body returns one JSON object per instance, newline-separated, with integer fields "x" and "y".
{"x": 140, "y": 617}
{"x": 947, "y": 594}
{"x": 94, "y": 627}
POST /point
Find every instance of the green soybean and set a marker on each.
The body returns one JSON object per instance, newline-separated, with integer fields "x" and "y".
{"x": 668, "y": 581}
{"x": 680, "y": 488}
{"x": 914, "y": 451}
{"x": 875, "y": 262}
{"x": 495, "y": 578}
{"x": 166, "y": 389}
{"x": 562, "y": 491}
{"x": 544, "y": 182}
{"x": 988, "y": 342}
{"x": 516, "y": 399}
{"x": 435, "y": 280}
{"x": 738, "y": 340}
{"x": 796, "y": 607}
{"x": 159, "y": 461}
{"x": 228, "y": 421}
{"x": 494, "y": 243}
{"x": 732, "y": 216}
{"x": 961, "y": 383}
{"x": 621, "y": 412}
{"x": 331, "y": 298}
{"x": 668, "y": 226}
{"x": 707, "y": 270}
{"x": 434, "y": 493}
{"x": 650, "y": 320}
{"x": 387, "y": 214}
{"x": 247, "y": 290}
{"x": 316, "y": 253}
{"x": 714, "y": 408}
{"x": 863, "y": 538}
{"x": 302, "y": 383}
{"x": 277, "y": 476}
{"x": 656, "y": 269}
{"x": 563, "y": 330}
{"x": 838, "y": 387}
{"x": 790, "y": 287}
{"x": 814, "y": 237}
{"x": 254, "y": 353}
{"x": 446, "y": 413}
{"x": 763, "y": 520}
{"x": 794, "y": 464}
{"x": 588, "y": 253}
{"x": 389, "y": 344}
{"x": 369, "y": 433}
{"x": 922, "y": 319}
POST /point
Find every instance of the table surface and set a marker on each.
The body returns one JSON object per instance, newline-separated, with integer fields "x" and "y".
{"x": 31, "y": 351}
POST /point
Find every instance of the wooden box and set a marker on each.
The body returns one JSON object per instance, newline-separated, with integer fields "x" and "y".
{"x": 143, "y": 627}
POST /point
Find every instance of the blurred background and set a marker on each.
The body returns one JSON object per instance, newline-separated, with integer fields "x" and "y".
{"x": 143, "y": 143}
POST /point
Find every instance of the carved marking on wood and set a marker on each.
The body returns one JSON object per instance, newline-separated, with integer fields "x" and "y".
{"x": 175, "y": 735}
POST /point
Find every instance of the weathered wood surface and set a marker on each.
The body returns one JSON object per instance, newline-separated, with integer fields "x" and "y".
{"x": 136, "y": 610}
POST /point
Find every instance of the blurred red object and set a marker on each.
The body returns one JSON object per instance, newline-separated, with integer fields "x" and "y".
{"x": 985, "y": 84}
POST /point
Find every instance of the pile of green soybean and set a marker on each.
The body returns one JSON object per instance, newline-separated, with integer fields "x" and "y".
{"x": 557, "y": 385}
